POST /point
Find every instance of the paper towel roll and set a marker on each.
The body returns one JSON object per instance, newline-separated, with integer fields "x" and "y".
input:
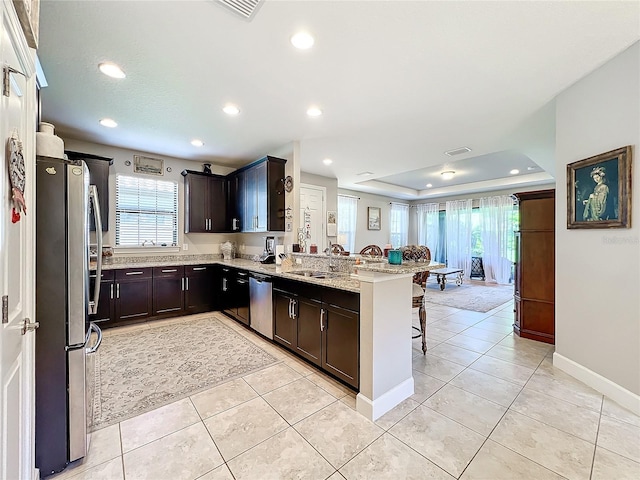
{"x": 279, "y": 250}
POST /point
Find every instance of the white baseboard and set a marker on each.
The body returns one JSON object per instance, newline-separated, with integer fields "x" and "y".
{"x": 374, "y": 409}
{"x": 615, "y": 392}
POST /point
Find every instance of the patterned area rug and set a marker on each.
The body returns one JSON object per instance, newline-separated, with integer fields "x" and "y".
{"x": 140, "y": 370}
{"x": 471, "y": 295}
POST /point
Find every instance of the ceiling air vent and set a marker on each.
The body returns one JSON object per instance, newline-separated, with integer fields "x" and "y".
{"x": 457, "y": 151}
{"x": 246, "y": 8}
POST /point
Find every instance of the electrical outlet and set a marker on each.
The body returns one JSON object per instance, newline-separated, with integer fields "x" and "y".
{"x": 289, "y": 227}
{"x": 185, "y": 246}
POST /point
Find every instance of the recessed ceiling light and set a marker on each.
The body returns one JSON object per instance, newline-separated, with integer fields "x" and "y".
{"x": 302, "y": 40}
{"x": 231, "y": 109}
{"x": 327, "y": 161}
{"x": 314, "y": 112}
{"x": 515, "y": 171}
{"x": 429, "y": 185}
{"x": 448, "y": 175}
{"x": 197, "y": 143}
{"x": 111, "y": 70}
{"x": 107, "y": 122}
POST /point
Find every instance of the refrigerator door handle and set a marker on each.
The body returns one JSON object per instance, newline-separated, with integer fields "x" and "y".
{"x": 93, "y": 197}
{"x": 93, "y": 328}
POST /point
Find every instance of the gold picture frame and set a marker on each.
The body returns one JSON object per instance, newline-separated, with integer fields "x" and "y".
{"x": 599, "y": 191}
{"x": 148, "y": 165}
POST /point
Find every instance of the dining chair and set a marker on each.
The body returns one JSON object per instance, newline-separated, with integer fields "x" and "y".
{"x": 418, "y": 253}
{"x": 372, "y": 251}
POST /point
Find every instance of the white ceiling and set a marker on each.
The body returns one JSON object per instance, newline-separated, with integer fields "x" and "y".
{"x": 399, "y": 83}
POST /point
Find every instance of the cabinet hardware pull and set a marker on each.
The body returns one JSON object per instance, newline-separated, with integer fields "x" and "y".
{"x": 290, "y": 305}
{"x": 169, "y": 271}
{"x": 322, "y": 319}
{"x": 187, "y": 281}
{"x": 224, "y": 284}
{"x": 182, "y": 283}
{"x": 118, "y": 290}
{"x": 134, "y": 273}
{"x": 293, "y": 308}
{"x": 111, "y": 292}
{"x": 197, "y": 269}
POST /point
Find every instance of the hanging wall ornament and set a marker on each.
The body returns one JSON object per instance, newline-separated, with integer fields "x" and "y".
{"x": 16, "y": 176}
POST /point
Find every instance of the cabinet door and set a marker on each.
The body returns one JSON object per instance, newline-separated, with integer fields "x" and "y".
{"x": 260, "y": 182}
{"x": 198, "y": 288}
{"x": 308, "y": 334}
{"x": 217, "y": 204}
{"x": 242, "y": 297}
{"x": 168, "y": 285}
{"x": 233, "y": 216}
{"x": 99, "y": 176}
{"x": 196, "y": 203}
{"x": 105, "y": 311}
{"x": 243, "y": 209}
{"x": 284, "y": 318}
{"x": 341, "y": 343}
{"x": 134, "y": 298}
{"x": 226, "y": 290}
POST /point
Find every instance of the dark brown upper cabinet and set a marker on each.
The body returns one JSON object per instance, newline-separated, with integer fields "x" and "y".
{"x": 99, "y": 176}
{"x": 260, "y": 195}
{"x": 205, "y": 203}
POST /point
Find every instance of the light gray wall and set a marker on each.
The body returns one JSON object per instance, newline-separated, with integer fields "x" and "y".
{"x": 364, "y": 236}
{"x": 197, "y": 242}
{"x": 598, "y": 270}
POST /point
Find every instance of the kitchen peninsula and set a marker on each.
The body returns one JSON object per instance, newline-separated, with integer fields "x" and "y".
{"x": 385, "y": 353}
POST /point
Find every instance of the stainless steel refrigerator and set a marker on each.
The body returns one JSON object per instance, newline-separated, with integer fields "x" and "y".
{"x": 64, "y": 367}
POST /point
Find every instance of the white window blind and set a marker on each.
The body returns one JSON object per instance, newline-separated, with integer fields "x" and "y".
{"x": 347, "y": 218}
{"x": 146, "y": 212}
{"x": 398, "y": 224}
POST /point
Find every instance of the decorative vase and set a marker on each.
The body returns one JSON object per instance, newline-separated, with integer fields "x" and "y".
{"x": 227, "y": 249}
{"x": 48, "y": 144}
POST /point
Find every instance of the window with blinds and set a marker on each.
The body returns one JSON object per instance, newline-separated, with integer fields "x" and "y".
{"x": 146, "y": 212}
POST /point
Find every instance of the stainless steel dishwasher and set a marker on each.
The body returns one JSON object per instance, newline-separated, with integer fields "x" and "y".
{"x": 261, "y": 304}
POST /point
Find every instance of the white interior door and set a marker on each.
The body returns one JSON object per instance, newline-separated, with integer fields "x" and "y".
{"x": 312, "y": 215}
{"x": 17, "y": 118}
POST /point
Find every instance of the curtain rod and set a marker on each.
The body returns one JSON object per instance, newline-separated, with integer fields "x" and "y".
{"x": 398, "y": 203}
{"x": 348, "y": 196}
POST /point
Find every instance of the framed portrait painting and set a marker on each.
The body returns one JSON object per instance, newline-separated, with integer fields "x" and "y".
{"x": 373, "y": 214}
{"x": 599, "y": 191}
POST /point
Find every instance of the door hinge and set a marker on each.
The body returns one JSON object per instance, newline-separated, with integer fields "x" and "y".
{"x": 6, "y": 79}
{"x": 29, "y": 326}
{"x": 5, "y": 309}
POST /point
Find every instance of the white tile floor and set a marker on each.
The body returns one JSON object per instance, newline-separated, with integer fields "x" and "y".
{"x": 488, "y": 405}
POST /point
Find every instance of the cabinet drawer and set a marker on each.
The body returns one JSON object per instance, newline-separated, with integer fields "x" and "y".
{"x": 175, "y": 271}
{"x": 107, "y": 275}
{"x": 133, "y": 273}
{"x": 191, "y": 269}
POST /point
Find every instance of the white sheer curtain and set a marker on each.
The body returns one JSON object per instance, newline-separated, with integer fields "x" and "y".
{"x": 497, "y": 226}
{"x": 459, "y": 235}
{"x": 429, "y": 227}
{"x": 398, "y": 224}
{"x": 347, "y": 218}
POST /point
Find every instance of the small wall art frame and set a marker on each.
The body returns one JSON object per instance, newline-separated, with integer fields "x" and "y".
{"x": 373, "y": 216}
{"x": 599, "y": 191}
{"x": 148, "y": 165}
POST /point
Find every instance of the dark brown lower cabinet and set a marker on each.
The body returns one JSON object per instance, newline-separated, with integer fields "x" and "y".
{"x": 134, "y": 294}
{"x": 168, "y": 290}
{"x": 309, "y": 334}
{"x": 284, "y": 318}
{"x": 340, "y": 353}
{"x": 105, "y": 311}
{"x": 321, "y": 325}
{"x": 198, "y": 288}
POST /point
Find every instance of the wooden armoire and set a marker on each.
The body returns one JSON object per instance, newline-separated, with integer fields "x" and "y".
{"x": 535, "y": 267}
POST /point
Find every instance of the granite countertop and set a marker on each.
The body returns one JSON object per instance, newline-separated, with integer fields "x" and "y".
{"x": 340, "y": 280}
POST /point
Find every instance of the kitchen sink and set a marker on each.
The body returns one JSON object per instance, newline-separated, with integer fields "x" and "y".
{"x": 315, "y": 274}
